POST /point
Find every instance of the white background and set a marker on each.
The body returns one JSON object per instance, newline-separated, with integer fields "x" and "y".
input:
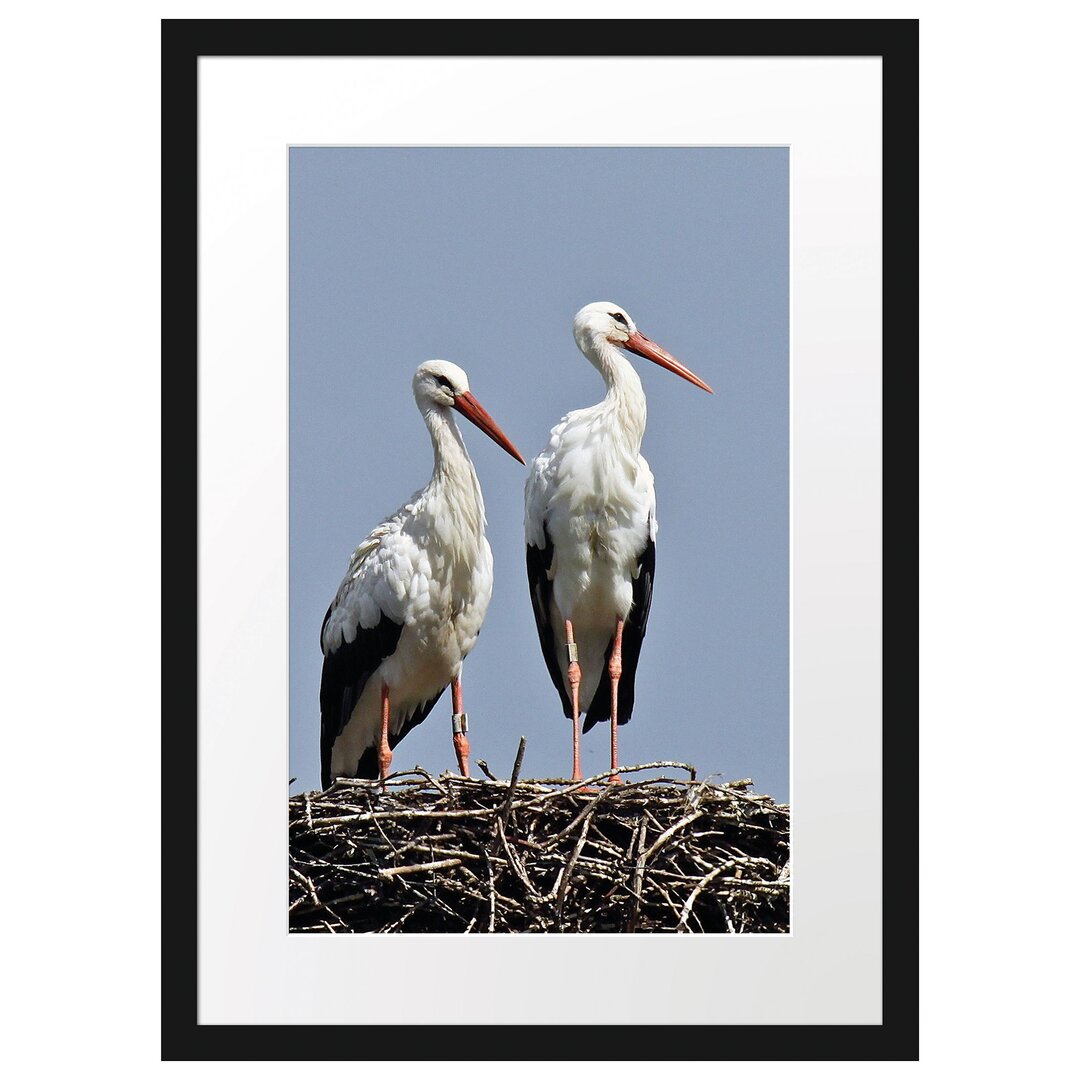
{"x": 999, "y": 535}
{"x": 828, "y": 110}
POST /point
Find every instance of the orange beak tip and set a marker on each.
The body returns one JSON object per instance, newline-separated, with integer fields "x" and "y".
{"x": 473, "y": 411}
{"x": 650, "y": 350}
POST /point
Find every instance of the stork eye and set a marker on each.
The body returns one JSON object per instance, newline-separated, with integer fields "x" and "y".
{"x": 444, "y": 382}
{"x": 618, "y": 316}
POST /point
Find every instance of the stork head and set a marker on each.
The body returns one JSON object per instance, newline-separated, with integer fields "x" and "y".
{"x": 442, "y": 385}
{"x": 438, "y": 382}
{"x": 605, "y": 322}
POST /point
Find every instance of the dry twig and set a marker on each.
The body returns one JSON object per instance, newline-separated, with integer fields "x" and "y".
{"x": 446, "y": 854}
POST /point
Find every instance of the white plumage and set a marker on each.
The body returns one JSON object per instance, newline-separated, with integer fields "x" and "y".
{"x": 590, "y": 528}
{"x": 412, "y": 603}
{"x": 593, "y": 493}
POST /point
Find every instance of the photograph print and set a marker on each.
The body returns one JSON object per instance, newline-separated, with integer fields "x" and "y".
{"x": 539, "y": 539}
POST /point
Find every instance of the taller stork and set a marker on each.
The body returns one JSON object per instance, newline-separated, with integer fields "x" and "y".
{"x": 590, "y": 531}
{"x": 412, "y": 603}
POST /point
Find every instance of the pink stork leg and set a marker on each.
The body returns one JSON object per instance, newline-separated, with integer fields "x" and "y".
{"x": 615, "y": 672}
{"x": 385, "y": 756}
{"x": 573, "y": 677}
{"x": 461, "y": 725}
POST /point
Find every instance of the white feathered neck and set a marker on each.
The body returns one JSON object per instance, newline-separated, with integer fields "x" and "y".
{"x": 454, "y": 489}
{"x": 624, "y": 402}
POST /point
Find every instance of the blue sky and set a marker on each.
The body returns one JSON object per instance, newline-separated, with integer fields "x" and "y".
{"x": 481, "y": 256}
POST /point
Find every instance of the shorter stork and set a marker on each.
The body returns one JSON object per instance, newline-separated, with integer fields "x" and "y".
{"x": 413, "y": 601}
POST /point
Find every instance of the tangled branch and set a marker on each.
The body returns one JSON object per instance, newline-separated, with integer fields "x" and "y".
{"x": 445, "y": 854}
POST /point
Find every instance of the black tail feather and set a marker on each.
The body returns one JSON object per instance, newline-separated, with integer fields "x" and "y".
{"x": 367, "y": 768}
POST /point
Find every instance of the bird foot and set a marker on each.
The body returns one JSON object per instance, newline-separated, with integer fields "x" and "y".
{"x": 587, "y": 789}
{"x": 385, "y": 758}
{"x": 461, "y": 750}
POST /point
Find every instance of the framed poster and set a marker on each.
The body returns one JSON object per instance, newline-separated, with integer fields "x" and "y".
{"x": 246, "y": 101}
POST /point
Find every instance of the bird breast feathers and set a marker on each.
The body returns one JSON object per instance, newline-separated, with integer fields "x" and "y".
{"x": 586, "y": 474}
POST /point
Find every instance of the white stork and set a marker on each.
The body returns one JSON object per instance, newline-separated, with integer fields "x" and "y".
{"x": 590, "y": 530}
{"x": 413, "y": 601}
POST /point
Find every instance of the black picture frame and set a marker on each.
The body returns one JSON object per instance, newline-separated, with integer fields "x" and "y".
{"x": 896, "y": 41}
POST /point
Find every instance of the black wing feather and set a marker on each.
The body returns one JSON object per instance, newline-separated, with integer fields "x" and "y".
{"x": 633, "y": 633}
{"x": 538, "y": 563}
{"x": 345, "y": 673}
{"x": 367, "y": 768}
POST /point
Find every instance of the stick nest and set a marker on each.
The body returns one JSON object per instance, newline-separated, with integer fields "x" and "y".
{"x": 449, "y": 855}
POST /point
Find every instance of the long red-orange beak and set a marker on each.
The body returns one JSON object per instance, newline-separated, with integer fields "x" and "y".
{"x": 640, "y": 344}
{"x": 472, "y": 410}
